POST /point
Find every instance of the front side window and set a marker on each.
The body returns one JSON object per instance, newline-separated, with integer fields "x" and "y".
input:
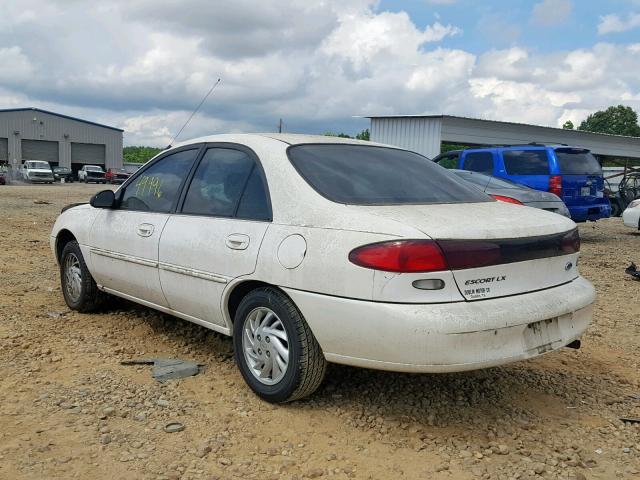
{"x": 449, "y": 161}
{"x": 479, "y": 162}
{"x": 227, "y": 183}
{"x": 369, "y": 175}
{"x": 526, "y": 162}
{"x": 157, "y": 187}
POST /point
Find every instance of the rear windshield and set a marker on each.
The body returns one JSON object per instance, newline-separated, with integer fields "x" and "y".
{"x": 93, "y": 169}
{"x": 526, "y": 162}
{"x": 369, "y": 175}
{"x": 575, "y": 161}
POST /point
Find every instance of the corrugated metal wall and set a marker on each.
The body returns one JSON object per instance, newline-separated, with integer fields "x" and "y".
{"x": 35, "y": 125}
{"x": 420, "y": 135}
{"x": 425, "y": 134}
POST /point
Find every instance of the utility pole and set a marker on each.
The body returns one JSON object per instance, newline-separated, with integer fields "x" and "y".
{"x": 280, "y": 126}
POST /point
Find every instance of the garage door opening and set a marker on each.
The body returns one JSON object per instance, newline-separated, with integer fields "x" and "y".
{"x": 44, "y": 150}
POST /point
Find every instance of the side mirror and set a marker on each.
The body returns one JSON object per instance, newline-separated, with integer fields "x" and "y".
{"x": 103, "y": 199}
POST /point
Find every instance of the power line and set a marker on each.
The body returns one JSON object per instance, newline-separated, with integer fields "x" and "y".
{"x": 194, "y": 112}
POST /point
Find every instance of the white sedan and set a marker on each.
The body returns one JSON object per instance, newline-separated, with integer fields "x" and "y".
{"x": 310, "y": 250}
{"x": 631, "y": 215}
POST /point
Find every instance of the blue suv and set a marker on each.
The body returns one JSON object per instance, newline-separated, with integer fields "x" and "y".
{"x": 572, "y": 173}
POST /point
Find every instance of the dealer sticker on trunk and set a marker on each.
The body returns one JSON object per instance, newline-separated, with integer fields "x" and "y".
{"x": 482, "y": 289}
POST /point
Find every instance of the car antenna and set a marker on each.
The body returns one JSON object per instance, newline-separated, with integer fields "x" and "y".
{"x": 192, "y": 114}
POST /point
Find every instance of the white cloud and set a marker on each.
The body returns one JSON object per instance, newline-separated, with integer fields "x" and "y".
{"x": 551, "y": 12}
{"x": 613, "y": 23}
{"x": 144, "y": 66}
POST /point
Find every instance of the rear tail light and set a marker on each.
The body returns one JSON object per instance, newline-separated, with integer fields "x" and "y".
{"x": 502, "y": 198}
{"x": 402, "y": 256}
{"x": 413, "y": 256}
{"x": 555, "y": 185}
{"x": 571, "y": 242}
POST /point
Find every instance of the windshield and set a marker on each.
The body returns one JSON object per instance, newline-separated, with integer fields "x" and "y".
{"x": 93, "y": 169}
{"x": 41, "y": 165}
{"x": 368, "y": 175}
{"x": 62, "y": 169}
{"x": 577, "y": 161}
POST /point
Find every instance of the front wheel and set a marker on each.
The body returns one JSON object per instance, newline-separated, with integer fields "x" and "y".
{"x": 78, "y": 287}
{"x": 274, "y": 348}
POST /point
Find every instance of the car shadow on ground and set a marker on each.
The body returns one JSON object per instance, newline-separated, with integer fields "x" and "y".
{"x": 527, "y": 390}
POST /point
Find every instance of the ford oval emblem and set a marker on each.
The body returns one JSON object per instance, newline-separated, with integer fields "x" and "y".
{"x": 568, "y": 266}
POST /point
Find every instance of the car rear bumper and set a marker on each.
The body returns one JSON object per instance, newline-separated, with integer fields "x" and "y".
{"x": 583, "y": 213}
{"x": 447, "y": 337}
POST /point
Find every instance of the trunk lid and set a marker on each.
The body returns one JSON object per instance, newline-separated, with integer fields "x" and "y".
{"x": 521, "y": 248}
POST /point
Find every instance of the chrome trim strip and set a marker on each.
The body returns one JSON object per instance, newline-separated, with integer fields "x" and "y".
{"x": 122, "y": 256}
{"x": 192, "y": 272}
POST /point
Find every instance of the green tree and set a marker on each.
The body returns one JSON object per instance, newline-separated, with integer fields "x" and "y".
{"x": 447, "y": 147}
{"x": 333, "y": 134}
{"x": 618, "y": 120}
{"x": 139, "y": 154}
{"x": 363, "y": 135}
{"x": 568, "y": 125}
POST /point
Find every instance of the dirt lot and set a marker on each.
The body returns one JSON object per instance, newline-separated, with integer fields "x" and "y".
{"x": 68, "y": 409}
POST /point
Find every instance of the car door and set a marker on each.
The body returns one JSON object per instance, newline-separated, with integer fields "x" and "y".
{"x": 216, "y": 234}
{"x": 124, "y": 241}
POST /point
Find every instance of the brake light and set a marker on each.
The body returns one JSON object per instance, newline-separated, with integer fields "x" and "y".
{"x": 555, "y": 185}
{"x": 401, "y": 256}
{"x": 571, "y": 242}
{"x": 502, "y": 198}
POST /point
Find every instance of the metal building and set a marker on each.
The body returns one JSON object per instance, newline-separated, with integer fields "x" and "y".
{"x": 425, "y": 133}
{"x": 35, "y": 134}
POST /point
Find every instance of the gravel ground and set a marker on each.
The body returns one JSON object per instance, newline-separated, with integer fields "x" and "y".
{"x": 68, "y": 409}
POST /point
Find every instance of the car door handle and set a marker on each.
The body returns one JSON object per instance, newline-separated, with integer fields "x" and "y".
{"x": 145, "y": 230}
{"x": 237, "y": 241}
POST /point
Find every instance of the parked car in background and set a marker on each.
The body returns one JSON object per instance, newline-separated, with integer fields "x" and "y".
{"x": 511, "y": 192}
{"x": 571, "y": 173}
{"x": 631, "y": 215}
{"x": 4, "y": 174}
{"x": 36, "y": 171}
{"x": 91, "y": 173}
{"x": 116, "y": 175}
{"x": 63, "y": 172}
{"x": 308, "y": 249}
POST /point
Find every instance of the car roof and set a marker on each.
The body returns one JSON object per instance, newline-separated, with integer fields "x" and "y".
{"x": 288, "y": 138}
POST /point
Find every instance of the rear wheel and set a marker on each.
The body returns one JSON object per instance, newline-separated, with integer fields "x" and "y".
{"x": 78, "y": 287}
{"x": 276, "y": 351}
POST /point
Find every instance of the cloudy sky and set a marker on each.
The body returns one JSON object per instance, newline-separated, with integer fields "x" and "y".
{"x": 143, "y": 65}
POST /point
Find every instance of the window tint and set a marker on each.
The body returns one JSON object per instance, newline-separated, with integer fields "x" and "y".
{"x": 156, "y": 189}
{"x": 526, "y": 162}
{"x": 218, "y": 183}
{"x": 479, "y": 162}
{"x": 254, "y": 204}
{"x": 449, "y": 161}
{"x": 575, "y": 161}
{"x": 368, "y": 175}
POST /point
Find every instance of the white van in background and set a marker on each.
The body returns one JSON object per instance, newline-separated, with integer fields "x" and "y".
{"x": 36, "y": 171}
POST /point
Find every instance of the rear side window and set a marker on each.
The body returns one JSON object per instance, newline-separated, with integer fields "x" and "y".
{"x": 577, "y": 161}
{"x": 227, "y": 183}
{"x": 156, "y": 188}
{"x": 479, "y": 162}
{"x": 526, "y": 162}
{"x": 369, "y": 175}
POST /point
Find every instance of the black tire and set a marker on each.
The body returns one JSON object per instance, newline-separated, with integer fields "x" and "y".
{"x": 89, "y": 297}
{"x": 307, "y": 365}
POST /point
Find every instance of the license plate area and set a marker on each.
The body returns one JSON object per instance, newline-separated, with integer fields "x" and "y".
{"x": 585, "y": 191}
{"x": 542, "y": 336}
